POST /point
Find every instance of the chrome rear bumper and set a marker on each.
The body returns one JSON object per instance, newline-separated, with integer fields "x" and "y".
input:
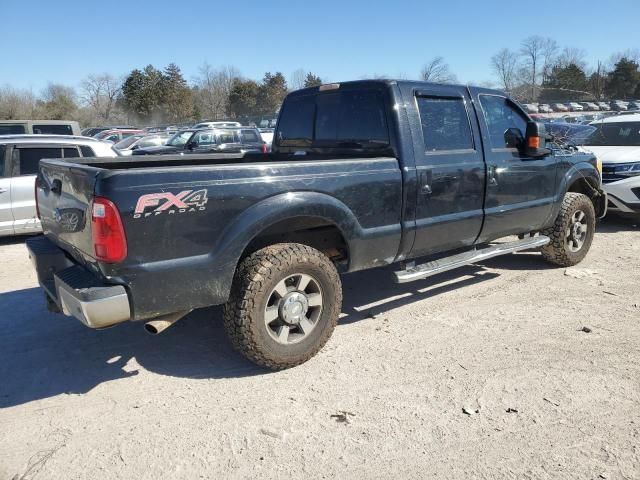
{"x": 75, "y": 290}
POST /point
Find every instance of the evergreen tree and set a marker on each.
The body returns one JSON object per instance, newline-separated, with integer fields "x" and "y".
{"x": 623, "y": 80}
{"x": 312, "y": 80}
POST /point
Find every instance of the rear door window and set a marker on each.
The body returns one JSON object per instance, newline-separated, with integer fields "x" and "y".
{"x": 250, "y": 136}
{"x": 52, "y": 129}
{"x": 445, "y": 124}
{"x": 70, "y": 152}
{"x": 227, "y": 137}
{"x": 87, "y": 151}
{"x": 28, "y": 159}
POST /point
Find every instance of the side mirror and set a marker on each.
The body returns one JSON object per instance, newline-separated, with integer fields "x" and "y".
{"x": 535, "y": 142}
{"x": 513, "y": 138}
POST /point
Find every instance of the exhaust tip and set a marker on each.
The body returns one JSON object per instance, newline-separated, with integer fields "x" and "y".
{"x": 151, "y": 329}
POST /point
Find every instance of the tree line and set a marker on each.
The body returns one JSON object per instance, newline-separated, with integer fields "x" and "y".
{"x": 150, "y": 96}
{"x": 538, "y": 70}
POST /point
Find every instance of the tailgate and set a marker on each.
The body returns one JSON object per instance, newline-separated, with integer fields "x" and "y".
{"x": 64, "y": 193}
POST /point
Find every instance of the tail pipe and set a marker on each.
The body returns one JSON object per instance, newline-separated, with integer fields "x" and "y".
{"x": 160, "y": 324}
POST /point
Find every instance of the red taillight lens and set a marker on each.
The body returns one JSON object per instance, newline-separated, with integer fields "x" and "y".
{"x": 109, "y": 242}
{"x": 35, "y": 191}
{"x": 264, "y": 147}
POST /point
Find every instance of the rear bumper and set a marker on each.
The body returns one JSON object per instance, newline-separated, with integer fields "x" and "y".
{"x": 75, "y": 290}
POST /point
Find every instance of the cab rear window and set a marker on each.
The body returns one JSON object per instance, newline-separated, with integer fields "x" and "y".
{"x": 347, "y": 119}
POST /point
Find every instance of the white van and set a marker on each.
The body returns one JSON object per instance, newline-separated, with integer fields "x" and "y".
{"x": 39, "y": 127}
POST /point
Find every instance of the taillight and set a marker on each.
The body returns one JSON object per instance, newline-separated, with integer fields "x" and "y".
{"x": 109, "y": 242}
{"x": 264, "y": 147}
{"x": 35, "y": 191}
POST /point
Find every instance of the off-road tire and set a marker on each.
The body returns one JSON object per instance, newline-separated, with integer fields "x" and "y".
{"x": 557, "y": 251}
{"x": 253, "y": 282}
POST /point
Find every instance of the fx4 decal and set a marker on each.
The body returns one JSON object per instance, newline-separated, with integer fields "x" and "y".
{"x": 153, "y": 204}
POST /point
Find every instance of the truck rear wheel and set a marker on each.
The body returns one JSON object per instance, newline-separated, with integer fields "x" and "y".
{"x": 284, "y": 304}
{"x": 572, "y": 233}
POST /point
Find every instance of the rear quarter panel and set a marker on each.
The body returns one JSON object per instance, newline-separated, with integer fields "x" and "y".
{"x": 183, "y": 258}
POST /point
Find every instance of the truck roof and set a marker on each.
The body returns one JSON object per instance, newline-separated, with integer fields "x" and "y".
{"x": 384, "y": 82}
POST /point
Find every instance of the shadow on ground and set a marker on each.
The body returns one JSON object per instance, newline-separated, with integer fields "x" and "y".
{"x": 44, "y": 354}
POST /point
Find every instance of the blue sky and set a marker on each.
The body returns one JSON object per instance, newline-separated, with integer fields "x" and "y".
{"x": 63, "y": 41}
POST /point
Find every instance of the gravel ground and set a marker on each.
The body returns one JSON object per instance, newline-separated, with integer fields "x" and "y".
{"x": 481, "y": 373}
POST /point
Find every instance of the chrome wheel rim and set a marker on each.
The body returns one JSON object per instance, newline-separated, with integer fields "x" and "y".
{"x": 577, "y": 230}
{"x": 293, "y": 308}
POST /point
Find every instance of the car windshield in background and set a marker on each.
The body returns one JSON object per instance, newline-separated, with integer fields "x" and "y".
{"x": 620, "y": 134}
{"x": 570, "y": 133}
{"x": 127, "y": 142}
{"x": 179, "y": 139}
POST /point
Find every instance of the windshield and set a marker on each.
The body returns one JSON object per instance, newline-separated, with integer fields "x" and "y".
{"x": 620, "y": 134}
{"x": 179, "y": 139}
{"x": 127, "y": 142}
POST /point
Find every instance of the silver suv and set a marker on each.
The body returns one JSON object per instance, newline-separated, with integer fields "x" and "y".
{"x": 19, "y": 159}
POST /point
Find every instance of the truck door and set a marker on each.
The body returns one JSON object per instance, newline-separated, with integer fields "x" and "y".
{"x": 450, "y": 169}
{"x": 6, "y": 217}
{"x": 520, "y": 189}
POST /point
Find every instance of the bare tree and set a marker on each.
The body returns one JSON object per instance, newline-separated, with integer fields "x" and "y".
{"x": 16, "y": 103}
{"x": 297, "y": 79}
{"x": 538, "y": 54}
{"x": 213, "y": 88}
{"x": 100, "y": 93}
{"x": 632, "y": 54}
{"x": 437, "y": 71}
{"x": 505, "y": 66}
{"x": 572, "y": 56}
{"x": 598, "y": 80}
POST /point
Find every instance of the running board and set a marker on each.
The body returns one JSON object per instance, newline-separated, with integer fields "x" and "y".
{"x": 425, "y": 270}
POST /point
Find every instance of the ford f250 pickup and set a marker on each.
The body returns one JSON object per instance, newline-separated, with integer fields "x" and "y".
{"x": 362, "y": 174}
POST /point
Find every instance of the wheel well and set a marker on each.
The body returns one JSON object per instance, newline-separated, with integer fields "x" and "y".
{"x": 582, "y": 185}
{"x": 314, "y": 232}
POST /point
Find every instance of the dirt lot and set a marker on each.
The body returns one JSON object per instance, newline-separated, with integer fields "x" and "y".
{"x": 503, "y": 341}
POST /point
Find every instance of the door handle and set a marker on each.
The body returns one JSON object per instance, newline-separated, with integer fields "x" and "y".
{"x": 492, "y": 181}
{"x": 425, "y": 188}
{"x": 3, "y": 190}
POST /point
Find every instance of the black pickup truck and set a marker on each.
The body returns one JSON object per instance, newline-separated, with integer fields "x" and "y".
{"x": 362, "y": 174}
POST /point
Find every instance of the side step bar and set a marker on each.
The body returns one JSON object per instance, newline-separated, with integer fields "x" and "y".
{"x": 425, "y": 270}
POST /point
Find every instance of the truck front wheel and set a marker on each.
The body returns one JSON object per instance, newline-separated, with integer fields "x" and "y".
{"x": 572, "y": 233}
{"x": 284, "y": 304}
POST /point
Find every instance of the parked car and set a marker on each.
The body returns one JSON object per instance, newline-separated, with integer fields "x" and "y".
{"x": 92, "y": 131}
{"x": 590, "y": 106}
{"x": 604, "y": 106}
{"x": 531, "y": 108}
{"x": 219, "y": 124}
{"x": 353, "y": 183}
{"x": 616, "y": 142}
{"x": 575, "y": 107}
{"x": 128, "y": 145}
{"x": 20, "y": 155}
{"x": 223, "y": 140}
{"x": 116, "y": 135}
{"x": 559, "y": 107}
{"x": 619, "y": 106}
{"x": 544, "y": 108}
{"x": 635, "y": 105}
{"x": 39, "y": 127}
